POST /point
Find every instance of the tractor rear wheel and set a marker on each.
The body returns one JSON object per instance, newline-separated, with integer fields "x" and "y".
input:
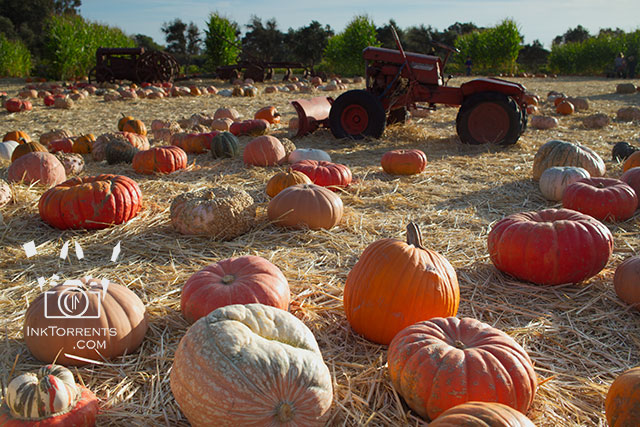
{"x": 356, "y": 114}
{"x": 490, "y": 117}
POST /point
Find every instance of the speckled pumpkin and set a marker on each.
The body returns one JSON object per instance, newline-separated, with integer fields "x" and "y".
{"x": 225, "y": 357}
{"x": 73, "y": 163}
{"x": 223, "y": 212}
{"x": 5, "y": 193}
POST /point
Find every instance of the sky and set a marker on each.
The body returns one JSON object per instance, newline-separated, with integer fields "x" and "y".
{"x": 537, "y": 19}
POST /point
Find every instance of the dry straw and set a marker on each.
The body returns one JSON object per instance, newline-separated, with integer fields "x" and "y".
{"x": 579, "y": 336}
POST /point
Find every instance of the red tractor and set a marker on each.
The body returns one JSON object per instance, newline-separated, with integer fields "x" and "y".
{"x": 492, "y": 110}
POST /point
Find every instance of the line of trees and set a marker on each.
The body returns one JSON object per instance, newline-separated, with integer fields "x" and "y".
{"x": 50, "y": 38}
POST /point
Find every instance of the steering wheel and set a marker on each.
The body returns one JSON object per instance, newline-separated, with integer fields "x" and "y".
{"x": 445, "y": 47}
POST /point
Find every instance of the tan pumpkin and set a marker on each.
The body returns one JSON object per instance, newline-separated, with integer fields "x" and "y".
{"x": 259, "y": 360}
{"x": 482, "y": 414}
{"x": 230, "y": 113}
{"x": 626, "y": 281}
{"x": 5, "y": 193}
{"x": 54, "y": 135}
{"x": 562, "y": 153}
{"x": 285, "y": 179}
{"x": 306, "y": 206}
{"x": 265, "y": 150}
{"x": 543, "y": 122}
{"x": 554, "y": 180}
{"x": 222, "y": 212}
{"x": 41, "y": 167}
{"x": 116, "y": 319}
{"x": 596, "y": 121}
{"x": 622, "y": 405}
{"x": 222, "y": 124}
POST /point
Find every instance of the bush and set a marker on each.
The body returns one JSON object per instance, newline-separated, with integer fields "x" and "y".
{"x": 221, "y": 42}
{"x": 343, "y": 54}
{"x": 15, "y": 59}
{"x": 71, "y": 44}
{"x": 492, "y": 50}
{"x": 594, "y": 55}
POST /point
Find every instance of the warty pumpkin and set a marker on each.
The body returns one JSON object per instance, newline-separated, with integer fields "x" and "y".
{"x": 562, "y": 153}
{"x": 119, "y": 151}
{"x": 622, "y": 404}
{"x": 91, "y": 202}
{"x": 306, "y": 206}
{"x": 282, "y": 180}
{"x": 238, "y": 280}
{"x": 160, "y": 159}
{"x": 259, "y": 360}
{"x": 47, "y": 398}
{"x": 116, "y": 319}
{"x": 443, "y": 362}
{"x": 395, "y": 284}
{"x": 550, "y": 247}
{"x": 137, "y": 141}
{"x": 482, "y": 414}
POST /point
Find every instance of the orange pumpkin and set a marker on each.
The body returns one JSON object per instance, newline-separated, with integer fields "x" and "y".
{"x": 482, "y": 414}
{"x": 27, "y": 147}
{"x": 404, "y": 162}
{"x": 306, "y": 206}
{"x": 282, "y": 180}
{"x": 193, "y": 142}
{"x": 396, "y": 284}
{"x": 633, "y": 161}
{"x": 264, "y": 150}
{"x": 626, "y": 281}
{"x": 269, "y": 114}
{"x": 124, "y": 119}
{"x": 83, "y": 144}
{"x": 135, "y": 126}
{"x": 622, "y": 405}
{"x": 565, "y": 108}
{"x": 17, "y": 135}
{"x": 160, "y": 159}
{"x": 443, "y": 362}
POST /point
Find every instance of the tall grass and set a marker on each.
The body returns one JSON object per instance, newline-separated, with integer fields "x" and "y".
{"x": 15, "y": 58}
{"x": 71, "y": 43}
{"x": 594, "y": 55}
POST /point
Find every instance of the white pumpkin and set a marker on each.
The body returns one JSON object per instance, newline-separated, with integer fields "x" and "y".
{"x": 543, "y": 122}
{"x": 554, "y": 180}
{"x": 6, "y": 149}
{"x": 300, "y": 154}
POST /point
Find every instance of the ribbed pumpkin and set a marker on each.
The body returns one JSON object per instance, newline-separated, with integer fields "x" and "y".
{"x": 193, "y": 142}
{"x": 562, "y": 153}
{"x": 84, "y": 143}
{"x": 135, "y": 126}
{"x": 550, "y": 247}
{"x": 115, "y": 319}
{"x": 306, "y": 206}
{"x": 633, "y": 161}
{"x": 403, "y": 162}
{"x": 6, "y": 149}
{"x": 17, "y": 135}
{"x": 325, "y": 174}
{"x": 27, "y": 147}
{"x": 622, "y": 405}
{"x": 264, "y": 150}
{"x": 160, "y": 159}
{"x": 626, "y": 281}
{"x": 224, "y": 144}
{"x": 606, "y": 199}
{"x": 91, "y": 202}
{"x": 269, "y": 114}
{"x": 119, "y": 151}
{"x": 43, "y": 168}
{"x": 223, "y": 213}
{"x": 443, "y": 362}
{"x": 230, "y": 113}
{"x": 47, "y": 398}
{"x": 239, "y": 280}
{"x": 396, "y": 284}
{"x": 259, "y": 360}
{"x": 554, "y": 180}
{"x": 123, "y": 120}
{"x": 285, "y": 179}
{"x": 481, "y": 414}
{"x": 98, "y": 151}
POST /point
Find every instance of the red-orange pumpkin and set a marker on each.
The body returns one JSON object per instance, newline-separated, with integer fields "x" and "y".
{"x": 632, "y": 177}
{"x": 565, "y": 107}
{"x": 160, "y": 159}
{"x": 633, "y": 161}
{"x": 550, "y": 247}
{"x": 622, "y": 405}
{"x": 193, "y": 142}
{"x": 606, "y": 199}
{"x": 269, "y": 114}
{"x": 481, "y": 414}
{"x": 395, "y": 284}
{"x": 249, "y": 127}
{"x": 64, "y": 145}
{"x": 443, "y": 362}
{"x": 239, "y": 280}
{"x": 17, "y": 135}
{"x": 91, "y": 202}
{"x": 626, "y": 281}
{"x": 325, "y": 174}
{"x": 403, "y": 162}
{"x": 83, "y": 144}
{"x": 264, "y": 150}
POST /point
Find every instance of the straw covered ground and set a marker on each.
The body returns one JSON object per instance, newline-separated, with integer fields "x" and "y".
{"x": 580, "y": 337}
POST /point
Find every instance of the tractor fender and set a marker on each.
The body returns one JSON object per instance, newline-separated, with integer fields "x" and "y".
{"x": 514, "y": 90}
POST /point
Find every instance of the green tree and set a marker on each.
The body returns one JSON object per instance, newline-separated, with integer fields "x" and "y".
{"x": 533, "y": 57}
{"x": 573, "y": 35}
{"x": 308, "y": 43}
{"x": 418, "y": 39}
{"x": 146, "y": 42}
{"x": 385, "y": 35}
{"x": 344, "y": 51}
{"x": 64, "y": 7}
{"x": 221, "y": 42}
{"x": 193, "y": 40}
{"x": 175, "y": 36}
{"x": 263, "y": 41}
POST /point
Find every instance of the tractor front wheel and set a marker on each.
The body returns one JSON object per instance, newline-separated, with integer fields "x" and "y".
{"x": 356, "y": 114}
{"x": 490, "y": 117}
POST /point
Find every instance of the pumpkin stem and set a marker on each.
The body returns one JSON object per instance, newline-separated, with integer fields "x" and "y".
{"x": 228, "y": 278}
{"x": 413, "y": 235}
{"x": 284, "y": 412}
{"x": 459, "y": 344}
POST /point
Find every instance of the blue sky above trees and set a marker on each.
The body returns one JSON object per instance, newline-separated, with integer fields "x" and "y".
{"x": 541, "y": 19}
